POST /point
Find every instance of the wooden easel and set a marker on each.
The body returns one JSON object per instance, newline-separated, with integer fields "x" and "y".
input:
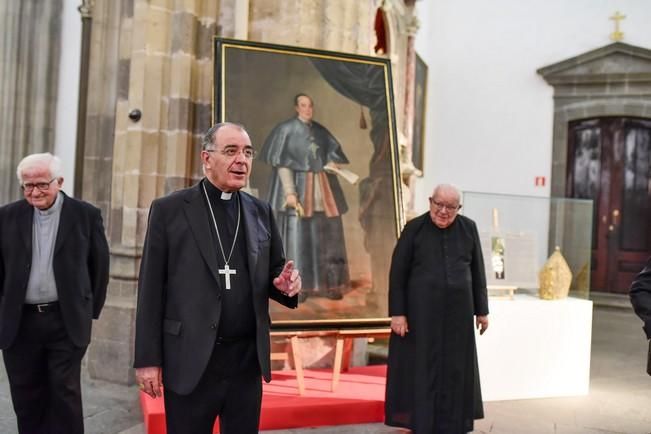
{"x": 340, "y": 335}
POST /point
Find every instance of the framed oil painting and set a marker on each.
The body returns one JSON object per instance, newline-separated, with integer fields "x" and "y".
{"x": 420, "y": 110}
{"x": 323, "y": 127}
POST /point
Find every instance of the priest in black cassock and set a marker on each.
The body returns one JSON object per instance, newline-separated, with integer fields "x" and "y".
{"x": 307, "y": 200}
{"x": 437, "y": 284}
{"x": 212, "y": 260}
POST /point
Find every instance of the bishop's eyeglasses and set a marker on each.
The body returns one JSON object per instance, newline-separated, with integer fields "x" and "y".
{"x": 42, "y": 186}
{"x": 232, "y": 151}
{"x": 441, "y": 206}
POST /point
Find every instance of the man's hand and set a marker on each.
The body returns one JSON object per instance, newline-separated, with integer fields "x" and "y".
{"x": 291, "y": 200}
{"x": 289, "y": 280}
{"x": 150, "y": 381}
{"x": 482, "y": 323}
{"x": 399, "y": 325}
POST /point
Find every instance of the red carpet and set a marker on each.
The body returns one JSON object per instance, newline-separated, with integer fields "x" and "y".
{"x": 359, "y": 398}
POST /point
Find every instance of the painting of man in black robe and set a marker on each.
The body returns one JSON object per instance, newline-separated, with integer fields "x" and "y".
{"x": 308, "y": 202}
{"x": 437, "y": 284}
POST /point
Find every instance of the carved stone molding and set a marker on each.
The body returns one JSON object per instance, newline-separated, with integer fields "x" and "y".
{"x": 614, "y": 80}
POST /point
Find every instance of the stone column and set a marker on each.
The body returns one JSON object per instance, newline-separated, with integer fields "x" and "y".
{"x": 29, "y": 78}
{"x": 324, "y": 24}
{"x": 164, "y": 94}
{"x": 409, "y": 108}
{"x": 86, "y": 12}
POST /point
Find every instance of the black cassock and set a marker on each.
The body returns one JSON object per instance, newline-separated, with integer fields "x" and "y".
{"x": 437, "y": 281}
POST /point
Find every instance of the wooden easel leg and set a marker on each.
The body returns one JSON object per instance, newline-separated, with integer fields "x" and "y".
{"x": 336, "y": 369}
{"x": 298, "y": 364}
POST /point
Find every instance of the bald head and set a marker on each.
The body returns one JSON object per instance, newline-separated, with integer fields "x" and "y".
{"x": 444, "y": 205}
{"x": 448, "y": 190}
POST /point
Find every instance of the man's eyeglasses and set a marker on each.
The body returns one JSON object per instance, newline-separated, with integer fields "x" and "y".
{"x": 441, "y": 206}
{"x": 232, "y": 151}
{"x": 42, "y": 186}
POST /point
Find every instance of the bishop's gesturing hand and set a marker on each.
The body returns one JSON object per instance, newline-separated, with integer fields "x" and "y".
{"x": 289, "y": 280}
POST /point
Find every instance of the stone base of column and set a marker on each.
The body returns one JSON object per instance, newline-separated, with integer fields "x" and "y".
{"x": 110, "y": 355}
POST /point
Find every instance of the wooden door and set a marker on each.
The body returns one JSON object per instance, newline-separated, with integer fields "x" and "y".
{"x": 609, "y": 161}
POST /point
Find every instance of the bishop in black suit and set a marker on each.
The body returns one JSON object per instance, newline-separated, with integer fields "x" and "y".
{"x": 54, "y": 263}
{"x": 212, "y": 259}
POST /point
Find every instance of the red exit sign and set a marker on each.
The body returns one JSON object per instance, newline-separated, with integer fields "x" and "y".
{"x": 539, "y": 181}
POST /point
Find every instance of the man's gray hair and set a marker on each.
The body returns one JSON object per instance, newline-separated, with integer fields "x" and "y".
{"x": 208, "y": 139}
{"x": 448, "y": 188}
{"x": 52, "y": 162}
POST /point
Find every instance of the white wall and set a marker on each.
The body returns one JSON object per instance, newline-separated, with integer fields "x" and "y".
{"x": 489, "y": 114}
{"x": 68, "y": 93}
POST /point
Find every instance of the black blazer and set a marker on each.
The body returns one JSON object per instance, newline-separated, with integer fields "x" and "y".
{"x": 641, "y": 297}
{"x": 179, "y": 301}
{"x": 80, "y": 263}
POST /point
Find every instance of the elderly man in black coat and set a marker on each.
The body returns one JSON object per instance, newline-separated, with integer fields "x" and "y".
{"x": 437, "y": 284}
{"x": 54, "y": 270}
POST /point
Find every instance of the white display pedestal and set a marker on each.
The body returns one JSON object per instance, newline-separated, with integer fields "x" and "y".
{"x": 535, "y": 348}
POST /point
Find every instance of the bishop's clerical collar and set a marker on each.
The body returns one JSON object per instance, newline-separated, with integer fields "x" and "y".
{"x": 305, "y": 121}
{"x": 215, "y": 193}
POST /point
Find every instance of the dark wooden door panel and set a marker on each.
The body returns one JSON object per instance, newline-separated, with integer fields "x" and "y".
{"x": 609, "y": 161}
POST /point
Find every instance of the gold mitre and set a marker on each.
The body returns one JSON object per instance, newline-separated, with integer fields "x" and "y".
{"x": 555, "y": 277}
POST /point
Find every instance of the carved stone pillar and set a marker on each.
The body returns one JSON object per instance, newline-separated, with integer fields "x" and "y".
{"x": 407, "y": 165}
{"x": 164, "y": 94}
{"x": 323, "y": 24}
{"x": 29, "y": 77}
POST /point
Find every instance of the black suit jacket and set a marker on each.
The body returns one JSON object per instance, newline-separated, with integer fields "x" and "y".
{"x": 80, "y": 263}
{"x": 641, "y": 297}
{"x": 179, "y": 288}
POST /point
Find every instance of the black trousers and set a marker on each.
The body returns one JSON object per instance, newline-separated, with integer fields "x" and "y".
{"x": 43, "y": 368}
{"x": 231, "y": 388}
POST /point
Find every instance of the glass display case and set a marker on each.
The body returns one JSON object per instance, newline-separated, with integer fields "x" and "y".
{"x": 519, "y": 233}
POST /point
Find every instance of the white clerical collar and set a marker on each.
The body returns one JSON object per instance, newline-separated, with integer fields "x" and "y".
{"x": 217, "y": 192}
{"x": 55, "y": 207}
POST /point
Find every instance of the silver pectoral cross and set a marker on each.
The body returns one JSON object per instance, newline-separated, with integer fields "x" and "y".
{"x": 226, "y": 271}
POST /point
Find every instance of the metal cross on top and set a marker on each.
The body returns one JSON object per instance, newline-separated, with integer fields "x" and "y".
{"x": 617, "y": 35}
